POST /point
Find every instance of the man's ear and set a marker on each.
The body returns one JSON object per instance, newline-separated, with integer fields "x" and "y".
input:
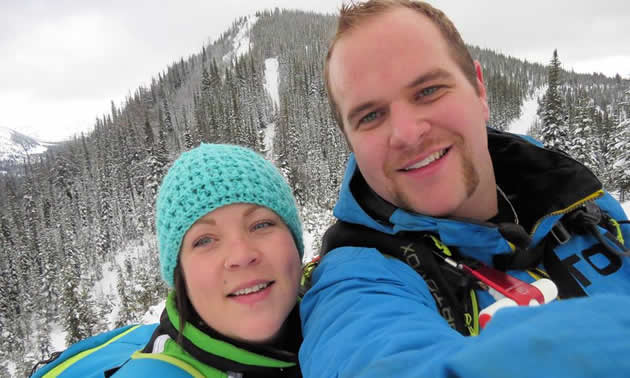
{"x": 481, "y": 89}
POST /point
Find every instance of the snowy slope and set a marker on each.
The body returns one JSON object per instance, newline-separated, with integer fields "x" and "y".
{"x": 271, "y": 86}
{"x": 271, "y": 83}
{"x": 528, "y": 113}
{"x": 107, "y": 285}
{"x": 107, "y": 288}
{"x": 315, "y": 219}
{"x": 15, "y": 146}
{"x": 529, "y": 116}
{"x": 241, "y": 41}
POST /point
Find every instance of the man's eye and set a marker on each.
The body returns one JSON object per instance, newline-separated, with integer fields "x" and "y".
{"x": 371, "y": 116}
{"x": 205, "y": 240}
{"x": 427, "y": 92}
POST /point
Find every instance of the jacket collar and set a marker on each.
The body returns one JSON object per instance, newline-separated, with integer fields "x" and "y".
{"x": 209, "y": 347}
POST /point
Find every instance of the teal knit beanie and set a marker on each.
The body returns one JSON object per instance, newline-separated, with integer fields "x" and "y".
{"x": 211, "y": 176}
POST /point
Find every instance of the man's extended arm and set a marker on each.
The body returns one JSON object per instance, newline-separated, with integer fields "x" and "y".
{"x": 372, "y": 316}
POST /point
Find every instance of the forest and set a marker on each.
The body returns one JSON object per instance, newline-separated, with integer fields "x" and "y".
{"x": 65, "y": 215}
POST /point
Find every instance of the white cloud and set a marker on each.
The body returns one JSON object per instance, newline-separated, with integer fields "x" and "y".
{"x": 608, "y": 65}
{"x": 63, "y": 61}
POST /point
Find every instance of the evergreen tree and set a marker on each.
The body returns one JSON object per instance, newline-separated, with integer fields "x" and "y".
{"x": 43, "y": 340}
{"x": 68, "y": 213}
{"x": 168, "y": 121}
{"x": 582, "y": 146}
{"x": 603, "y": 140}
{"x": 126, "y": 309}
{"x": 104, "y": 237}
{"x": 156, "y": 161}
{"x": 149, "y": 138}
{"x": 620, "y": 155}
{"x": 70, "y": 308}
{"x": 4, "y": 372}
{"x": 554, "y": 128}
{"x": 188, "y": 139}
{"x": 86, "y": 313}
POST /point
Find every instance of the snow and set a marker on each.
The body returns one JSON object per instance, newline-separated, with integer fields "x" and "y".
{"x": 37, "y": 150}
{"x": 57, "y": 338}
{"x": 271, "y": 83}
{"x": 11, "y": 367}
{"x": 107, "y": 287}
{"x": 271, "y": 80}
{"x": 271, "y": 86}
{"x": 269, "y": 132}
{"x": 241, "y": 41}
{"x": 5, "y": 133}
{"x": 153, "y": 313}
{"x": 11, "y": 150}
{"x": 309, "y": 251}
{"x": 528, "y": 114}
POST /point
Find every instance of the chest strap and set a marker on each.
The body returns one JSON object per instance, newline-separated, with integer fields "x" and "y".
{"x": 583, "y": 220}
{"x": 452, "y": 291}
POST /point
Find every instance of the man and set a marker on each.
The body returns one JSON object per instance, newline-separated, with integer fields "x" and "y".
{"x": 412, "y": 105}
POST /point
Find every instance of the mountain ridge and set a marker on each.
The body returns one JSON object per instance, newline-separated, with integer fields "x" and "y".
{"x": 94, "y": 196}
{"x": 16, "y": 146}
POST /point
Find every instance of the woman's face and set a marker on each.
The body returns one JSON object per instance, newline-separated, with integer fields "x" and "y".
{"x": 242, "y": 271}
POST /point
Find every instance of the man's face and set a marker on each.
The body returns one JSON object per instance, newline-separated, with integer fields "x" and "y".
{"x": 415, "y": 123}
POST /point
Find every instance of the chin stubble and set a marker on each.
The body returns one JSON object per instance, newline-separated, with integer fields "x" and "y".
{"x": 470, "y": 179}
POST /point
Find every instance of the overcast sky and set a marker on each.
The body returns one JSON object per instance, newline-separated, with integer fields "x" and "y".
{"x": 63, "y": 61}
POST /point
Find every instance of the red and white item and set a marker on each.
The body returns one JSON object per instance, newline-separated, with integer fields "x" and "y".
{"x": 546, "y": 287}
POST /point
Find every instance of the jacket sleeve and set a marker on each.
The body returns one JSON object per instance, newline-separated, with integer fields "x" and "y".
{"x": 367, "y": 315}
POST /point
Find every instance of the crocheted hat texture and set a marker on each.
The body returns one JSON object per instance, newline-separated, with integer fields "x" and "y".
{"x": 211, "y": 176}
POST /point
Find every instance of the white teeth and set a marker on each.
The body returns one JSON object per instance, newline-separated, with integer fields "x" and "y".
{"x": 252, "y": 289}
{"x": 429, "y": 159}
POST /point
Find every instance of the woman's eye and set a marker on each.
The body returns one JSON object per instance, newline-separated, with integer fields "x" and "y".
{"x": 261, "y": 225}
{"x": 205, "y": 240}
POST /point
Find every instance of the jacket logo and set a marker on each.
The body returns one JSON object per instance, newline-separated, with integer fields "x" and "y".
{"x": 412, "y": 259}
{"x": 410, "y": 256}
{"x": 614, "y": 263}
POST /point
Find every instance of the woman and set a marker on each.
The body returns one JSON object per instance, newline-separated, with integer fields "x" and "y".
{"x": 230, "y": 243}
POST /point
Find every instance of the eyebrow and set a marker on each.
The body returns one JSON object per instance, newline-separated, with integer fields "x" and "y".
{"x": 360, "y": 109}
{"x": 250, "y": 209}
{"x": 205, "y": 220}
{"x": 437, "y": 73}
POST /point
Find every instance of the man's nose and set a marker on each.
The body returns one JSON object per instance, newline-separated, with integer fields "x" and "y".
{"x": 407, "y": 125}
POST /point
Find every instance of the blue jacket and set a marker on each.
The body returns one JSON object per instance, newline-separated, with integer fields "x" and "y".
{"x": 369, "y": 315}
{"x": 151, "y": 351}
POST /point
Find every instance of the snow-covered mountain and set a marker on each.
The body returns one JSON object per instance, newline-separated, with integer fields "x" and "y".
{"x": 259, "y": 85}
{"x": 14, "y": 146}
